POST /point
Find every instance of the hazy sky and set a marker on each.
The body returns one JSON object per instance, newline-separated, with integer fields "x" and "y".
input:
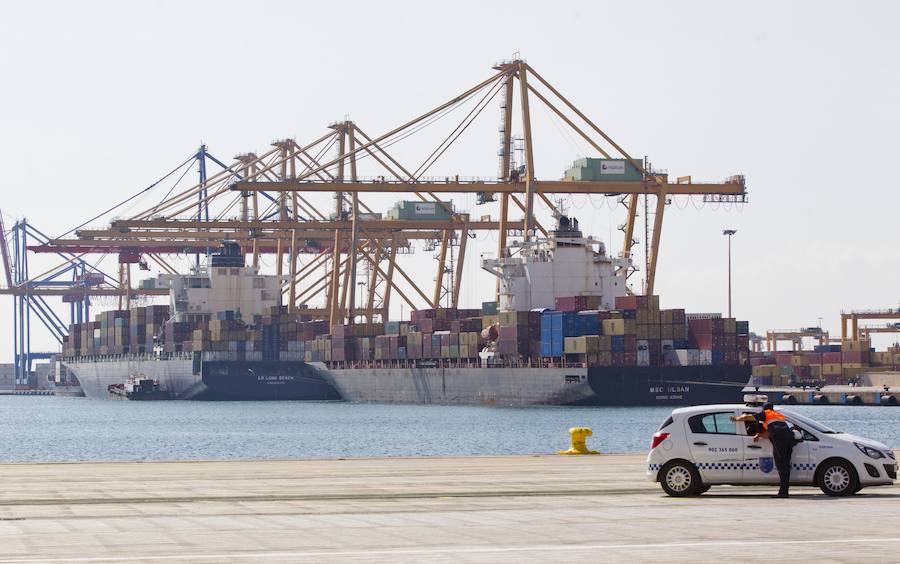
{"x": 100, "y": 99}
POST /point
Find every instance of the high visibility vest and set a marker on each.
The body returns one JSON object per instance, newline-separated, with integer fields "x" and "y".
{"x": 772, "y": 415}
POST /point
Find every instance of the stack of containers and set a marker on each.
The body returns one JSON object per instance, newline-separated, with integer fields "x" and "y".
{"x": 855, "y": 357}
{"x": 224, "y": 337}
{"x": 520, "y": 334}
{"x": 827, "y": 364}
{"x": 137, "y": 331}
{"x": 114, "y": 332}
{"x": 766, "y": 372}
{"x": 343, "y": 343}
{"x": 72, "y": 345}
{"x": 156, "y": 316}
{"x": 577, "y": 303}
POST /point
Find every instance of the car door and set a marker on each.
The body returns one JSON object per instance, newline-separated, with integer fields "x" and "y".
{"x": 759, "y": 462}
{"x": 716, "y": 446}
{"x": 803, "y": 459}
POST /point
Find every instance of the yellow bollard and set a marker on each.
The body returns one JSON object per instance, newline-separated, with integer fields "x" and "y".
{"x": 578, "y": 435}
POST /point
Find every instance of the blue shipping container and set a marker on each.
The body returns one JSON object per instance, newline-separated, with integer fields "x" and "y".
{"x": 589, "y": 323}
{"x": 553, "y": 330}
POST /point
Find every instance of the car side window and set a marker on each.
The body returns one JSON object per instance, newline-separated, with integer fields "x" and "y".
{"x": 713, "y": 423}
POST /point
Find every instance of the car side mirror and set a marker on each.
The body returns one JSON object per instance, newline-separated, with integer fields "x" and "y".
{"x": 798, "y": 435}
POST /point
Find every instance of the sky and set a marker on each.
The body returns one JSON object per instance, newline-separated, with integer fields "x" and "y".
{"x": 100, "y": 99}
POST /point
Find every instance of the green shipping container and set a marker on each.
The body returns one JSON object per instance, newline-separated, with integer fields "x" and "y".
{"x": 599, "y": 170}
{"x": 416, "y": 210}
{"x": 489, "y": 308}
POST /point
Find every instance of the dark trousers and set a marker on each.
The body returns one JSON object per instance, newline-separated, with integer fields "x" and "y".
{"x": 782, "y": 447}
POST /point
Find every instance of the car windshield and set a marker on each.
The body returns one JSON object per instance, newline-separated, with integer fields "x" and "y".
{"x": 809, "y": 423}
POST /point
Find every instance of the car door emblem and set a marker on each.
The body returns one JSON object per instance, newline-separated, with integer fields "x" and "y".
{"x": 766, "y": 464}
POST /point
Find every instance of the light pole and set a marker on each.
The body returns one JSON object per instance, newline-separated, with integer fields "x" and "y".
{"x": 729, "y": 233}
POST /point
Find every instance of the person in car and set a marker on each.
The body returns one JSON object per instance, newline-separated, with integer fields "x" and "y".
{"x": 776, "y": 429}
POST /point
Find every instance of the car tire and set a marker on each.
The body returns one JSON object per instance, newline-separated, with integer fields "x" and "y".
{"x": 703, "y": 489}
{"x": 837, "y": 478}
{"x": 679, "y": 478}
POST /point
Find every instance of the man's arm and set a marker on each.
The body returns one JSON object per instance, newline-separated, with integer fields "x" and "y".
{"x": 747, "y": 418}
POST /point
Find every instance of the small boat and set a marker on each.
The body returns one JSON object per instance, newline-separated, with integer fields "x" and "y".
{"x": 138, "y": 387}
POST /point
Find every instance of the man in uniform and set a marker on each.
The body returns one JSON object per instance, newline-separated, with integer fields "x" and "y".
{"x": 775, "y": 427}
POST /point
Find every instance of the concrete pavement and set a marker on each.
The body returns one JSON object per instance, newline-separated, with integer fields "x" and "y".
{"x": 469, "y": 509}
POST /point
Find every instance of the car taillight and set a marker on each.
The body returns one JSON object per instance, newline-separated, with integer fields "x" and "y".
{"x": 658, "y": 438}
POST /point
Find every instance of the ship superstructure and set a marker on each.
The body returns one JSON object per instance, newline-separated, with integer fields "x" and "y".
{"x": 225, "y": 284}
{"x": 533, "y": 274}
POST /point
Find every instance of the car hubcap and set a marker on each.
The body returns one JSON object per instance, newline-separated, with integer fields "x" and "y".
{"x": 837, "y": 478}
{"x": 678, "y": 479}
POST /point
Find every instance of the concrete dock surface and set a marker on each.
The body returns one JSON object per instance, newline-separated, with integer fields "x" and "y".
{"x": 458, "y": 509}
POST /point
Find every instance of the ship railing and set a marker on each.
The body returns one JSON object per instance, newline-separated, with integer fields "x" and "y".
{"x": 130, "y": 357}
{"x": 448, "y": 363}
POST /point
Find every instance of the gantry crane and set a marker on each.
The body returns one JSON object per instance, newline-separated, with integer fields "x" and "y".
{"x": 271, "y": 204}
{"x": 795, "y": 337}
{"x": 854, "y": 316}
{"x": 865, "y": 331}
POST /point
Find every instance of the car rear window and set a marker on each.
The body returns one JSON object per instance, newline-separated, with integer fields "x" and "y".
{"x": 665, "y": 424}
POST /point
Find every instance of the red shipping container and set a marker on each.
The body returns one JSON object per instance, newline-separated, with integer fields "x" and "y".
{"x": 630, "y": 343}
{"x": 618, "y": 358}
{"x": 814, "y": 358}
{"x": 571, "y": 303}
{"x": 743, "y": 343}
{"x": 783, "y": 359}
{"x": 702, "y": 341}
{"x": 626, "y": 302}
{"x": 425, "y": 325}
{"x": 630, "y": 358}
{"x": 855, "y": 357}
{"x": 831, "y": 358}
{"x": 701, "y": 326}
{"x": 417, "y": 315}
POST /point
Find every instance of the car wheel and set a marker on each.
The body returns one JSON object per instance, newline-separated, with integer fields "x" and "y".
{"x": 680, "y": 479}
{"x": 703, "y": 489}
{"x": 837, "y": 478}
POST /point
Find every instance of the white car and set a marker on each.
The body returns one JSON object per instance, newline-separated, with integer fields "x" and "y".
{"x": 698, "y": 447}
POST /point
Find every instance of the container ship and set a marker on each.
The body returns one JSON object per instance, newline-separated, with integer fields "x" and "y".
{"x": 565, "y": 331}
{"x": 199, "y": 346}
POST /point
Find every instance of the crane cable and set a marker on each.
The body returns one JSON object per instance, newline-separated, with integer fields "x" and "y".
{"x": 130, "y": 198}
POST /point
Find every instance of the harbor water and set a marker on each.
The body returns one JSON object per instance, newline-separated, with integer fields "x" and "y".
{"x": 79, "y": 429}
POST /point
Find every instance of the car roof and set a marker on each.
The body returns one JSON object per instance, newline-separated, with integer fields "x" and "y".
{"x": 715, "y": 407}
